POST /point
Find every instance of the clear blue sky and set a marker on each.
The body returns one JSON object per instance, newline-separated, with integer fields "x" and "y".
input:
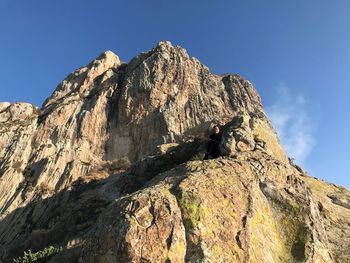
{"x": 296, "y": 53}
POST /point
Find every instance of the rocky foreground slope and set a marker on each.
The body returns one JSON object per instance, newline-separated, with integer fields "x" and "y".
{"x": 110, "y": 169}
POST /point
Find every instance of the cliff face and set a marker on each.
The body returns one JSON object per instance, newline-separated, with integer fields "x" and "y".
{"x": 110, "y": 168}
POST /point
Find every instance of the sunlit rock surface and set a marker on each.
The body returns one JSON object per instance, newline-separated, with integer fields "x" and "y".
{"x": 111, "y": 169}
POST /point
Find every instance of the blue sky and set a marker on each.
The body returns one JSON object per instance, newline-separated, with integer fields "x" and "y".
{"x": 296, "y": 53}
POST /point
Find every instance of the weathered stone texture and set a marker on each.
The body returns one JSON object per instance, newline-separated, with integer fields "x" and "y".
{"x": 111, "y": 168}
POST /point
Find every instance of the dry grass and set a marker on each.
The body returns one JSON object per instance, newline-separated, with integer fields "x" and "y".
{"x": 118, "y": 164}
{"x": 106, "y": 168}
{"x": 94, "y": 175}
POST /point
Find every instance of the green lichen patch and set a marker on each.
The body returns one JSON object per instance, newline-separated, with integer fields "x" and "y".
{"x": 212, "y": 204}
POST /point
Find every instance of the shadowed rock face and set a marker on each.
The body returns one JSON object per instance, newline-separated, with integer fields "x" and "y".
{"x": 66, "y": 179}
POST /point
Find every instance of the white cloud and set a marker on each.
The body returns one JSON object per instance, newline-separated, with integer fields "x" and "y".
{"x": 292, "y": 122}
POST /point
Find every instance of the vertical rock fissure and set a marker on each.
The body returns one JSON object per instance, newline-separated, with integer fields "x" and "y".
{"x": 245, "y": 219}
{"x": 176, "y": 191}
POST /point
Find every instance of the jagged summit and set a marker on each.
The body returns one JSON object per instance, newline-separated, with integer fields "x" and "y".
{"x": 80, "y": 80}
{"x": 111, "y": 168}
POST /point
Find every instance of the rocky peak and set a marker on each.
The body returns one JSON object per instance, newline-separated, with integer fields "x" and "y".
{"x": 162, "y": 51}
{"x": 81, "y": 80}
{"x": 111, "y": 168}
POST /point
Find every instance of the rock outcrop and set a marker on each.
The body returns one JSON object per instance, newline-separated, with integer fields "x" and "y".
{"x": 111, "y": 169}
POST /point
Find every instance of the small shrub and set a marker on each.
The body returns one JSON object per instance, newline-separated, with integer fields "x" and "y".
{"x": 45, "y": 189}
{"x": 34, "y": 144}
{"x": 40, "y": 256}
{"x": 37, "y": 111}
{"x": 119, "y": 164}
{"x": 29, "y": 186}
{"x": 17, "y": 166}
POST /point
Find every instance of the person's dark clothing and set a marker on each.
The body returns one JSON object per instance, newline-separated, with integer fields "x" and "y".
{"x": 213, "y": 147}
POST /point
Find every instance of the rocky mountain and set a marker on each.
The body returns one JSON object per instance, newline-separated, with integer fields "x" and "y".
{"x": 110, "y": 169}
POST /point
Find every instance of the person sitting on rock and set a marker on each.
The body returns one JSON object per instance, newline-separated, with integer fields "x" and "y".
{"x": 213, "y": 147}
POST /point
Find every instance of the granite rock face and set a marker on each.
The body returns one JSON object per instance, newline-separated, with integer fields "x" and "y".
{"x": 111, "y": 170}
